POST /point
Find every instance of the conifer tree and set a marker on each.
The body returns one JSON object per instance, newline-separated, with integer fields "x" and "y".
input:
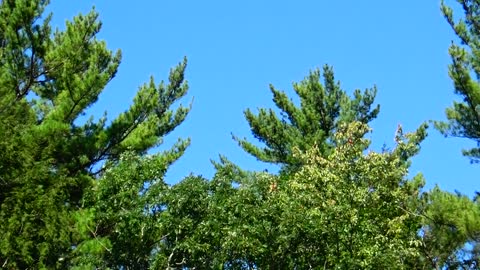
{"x": 452, "y": 222}
{"x": 464, "y": 116}
{"x": 451, "y": 231}
{"x": 50, "y": 161}
{"x": 323, "y": 107}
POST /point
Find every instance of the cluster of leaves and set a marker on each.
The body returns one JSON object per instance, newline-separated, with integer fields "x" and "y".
{"x": 347, "y": 209}
{"x": 344, "y": 210}
{"x": 84, "y": 195}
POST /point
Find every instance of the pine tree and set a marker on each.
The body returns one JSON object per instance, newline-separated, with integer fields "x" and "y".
{"x": 451, "y": 231}
{"x": 323, "y": 108}
{"x": 452, "y": 222}
{"x": 464, "y": 116}
{"x": 49, "y": 160}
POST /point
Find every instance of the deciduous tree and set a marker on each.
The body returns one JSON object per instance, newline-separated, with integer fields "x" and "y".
{"x": 347, "y": 209}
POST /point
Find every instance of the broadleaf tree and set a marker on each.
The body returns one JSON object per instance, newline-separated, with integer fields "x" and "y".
{"x": 349, "y": 209}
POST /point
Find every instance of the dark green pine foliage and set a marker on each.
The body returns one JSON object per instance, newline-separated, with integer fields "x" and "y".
{"x": 49, "y": 160}
{"x": 451, "y": 230}
{"x": 323, "y": 107}
{"x": 464, "y": 116}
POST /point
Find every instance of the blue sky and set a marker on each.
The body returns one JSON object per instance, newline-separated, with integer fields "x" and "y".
{"x": 237, "y": 48}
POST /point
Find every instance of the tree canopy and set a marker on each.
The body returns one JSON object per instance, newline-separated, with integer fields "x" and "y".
{"x": 51, "y": 162}
{"x": 464, "y": 116}
{"x": 451, "y": 227}
{"x": 323, "y": 108}
{"x": 89, "y": 193}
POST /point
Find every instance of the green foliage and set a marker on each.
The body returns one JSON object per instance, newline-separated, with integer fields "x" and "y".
{"x": 464, "y": 117}
{"x": 346, "y": 210}
{"x": 51, "y": 162}
{"x": 242, "y": 219}
{"x": 451, "y": 233}
{"x": 323, "y": 108}
{"x": 85, "y": 195}
{"x": 353, "y": 210}
{"x": 128, "y": 204}
{"x": 183, "y": 244}
{"x": 452, "y": 221}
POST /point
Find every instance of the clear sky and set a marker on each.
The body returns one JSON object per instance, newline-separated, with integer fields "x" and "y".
{"x": 237, "y": 48}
